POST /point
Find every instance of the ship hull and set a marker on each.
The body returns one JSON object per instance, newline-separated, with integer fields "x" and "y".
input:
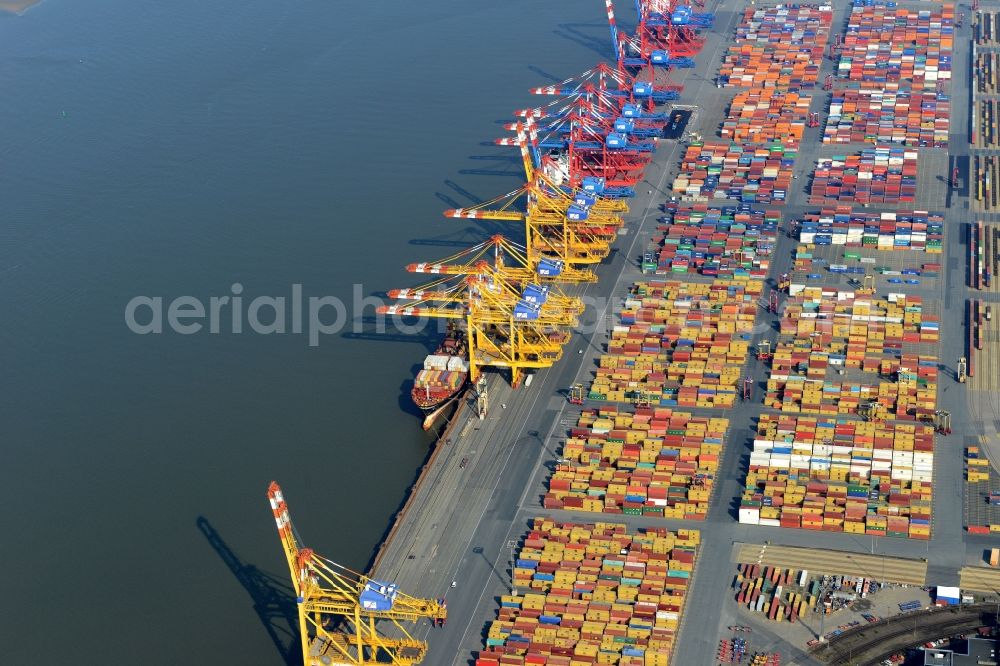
{"x": 429, "y": 398}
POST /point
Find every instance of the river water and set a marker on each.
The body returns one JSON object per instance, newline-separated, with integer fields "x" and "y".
{"x": 174, "y": 149}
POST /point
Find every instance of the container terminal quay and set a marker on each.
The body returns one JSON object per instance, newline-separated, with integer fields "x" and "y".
{"x": 786, "y": 418}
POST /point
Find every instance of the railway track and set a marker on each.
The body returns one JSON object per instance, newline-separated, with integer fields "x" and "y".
{"x": 872, "y": 643}
{"x": 876, "y": 567}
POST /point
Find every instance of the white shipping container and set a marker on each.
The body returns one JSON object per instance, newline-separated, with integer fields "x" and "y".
{"x": 436, "y": 362}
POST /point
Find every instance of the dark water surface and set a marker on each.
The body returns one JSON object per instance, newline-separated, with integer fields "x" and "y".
{"x": 173, "y": 148}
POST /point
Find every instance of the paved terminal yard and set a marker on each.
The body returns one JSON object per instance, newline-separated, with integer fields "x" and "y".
{"x": 485, "y": 482}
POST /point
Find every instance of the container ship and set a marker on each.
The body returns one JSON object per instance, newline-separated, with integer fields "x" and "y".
{"x": 443, "y": 376}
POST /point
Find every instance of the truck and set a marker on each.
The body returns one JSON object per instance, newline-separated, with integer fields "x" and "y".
{"x": 994, "y": 557}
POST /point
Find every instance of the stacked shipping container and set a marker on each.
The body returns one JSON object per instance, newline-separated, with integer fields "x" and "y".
{"x": 776, "y": 592}
{"x": 881, "y": 117}
{"x": 887, "y": 44}
{"x": 778, "y": 47}
{"x": 900, "y": 230}
{"x": 684, "y": 344}
{"x": 986, "y": 28}
{"x": 679, "y": 344}
{"x": 718, "y": 242}
{"x": 651, "y": 462}
{"x": 839, "y": 475}
{"x": 880, "y": 175}
{"x": 745, "y": 172}
{"x": 767, "y": 115}
{"x": 985, "y": 132}
{"x": 987, "y": 123}
{"x": 987, "y": 73}
{"x": 824, "y": 330}
{"x": 593, "y": 594}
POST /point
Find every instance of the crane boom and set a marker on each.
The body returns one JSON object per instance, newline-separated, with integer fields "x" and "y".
{"x": 338, "y": 608}
{"x": 284, "y": 523}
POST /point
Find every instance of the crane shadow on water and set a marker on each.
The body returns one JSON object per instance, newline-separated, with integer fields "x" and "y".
{"x": 273, "y": 600}
{"x": 541, "y": 72}
{"x": 599, "y": 45}
{"x": 462, "y": 191}
{"x": 497, "y": 173}
{"x": 457, "y": 237}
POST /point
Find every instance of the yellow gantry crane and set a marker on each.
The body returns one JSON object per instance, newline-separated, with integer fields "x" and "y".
{"x": 503, "y": 254}
{"x": 500, "y": 260}
{"x": 575, "y": 228}
{"x": 508, "y": 325}
{"x": 338, "y": 608}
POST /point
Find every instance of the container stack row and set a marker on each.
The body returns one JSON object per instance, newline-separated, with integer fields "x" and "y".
{"x": 879, "y": 175}
{"x": 987, "y": 112}
{"x": 593, "y": 594}
{"x": 825, "y": 333}
{"x": 717, "y": 242}
{"x": 860, "y": 328}
{"x": 872, "y": 116}
{"x": 649, "y": 462}
{"x": 887, "y": 44}
{"x": 901, "y": 400}
{"x": 985, "y": 134}
{"x": 746, "y": 172}
{"x": 986, "y": 174}
{"x": 840, "y": 475}
{"x": 679, "y": 343}
{"x": 778, "y": 47}
{"x": 986, "y": 28}
{"x": 766, "y": 115}
{"x": 987, "y": 73}
{"x": 777, "y": 51}
{"x": 899, "y": 230}
{"x": 982, "y": 494}
{"x": 809, "y": 266}
{"x": 777, "y": 593}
